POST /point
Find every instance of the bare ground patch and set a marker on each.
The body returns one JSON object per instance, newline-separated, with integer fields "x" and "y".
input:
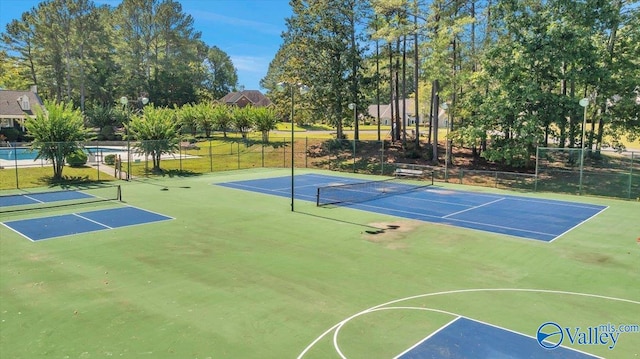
{"x": 391, "y": 234}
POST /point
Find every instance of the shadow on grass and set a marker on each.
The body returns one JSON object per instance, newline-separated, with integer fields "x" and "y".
{"x": 74, "y": 182}
{"x": 369, "y": 228}
{"x": 172, "y": 173}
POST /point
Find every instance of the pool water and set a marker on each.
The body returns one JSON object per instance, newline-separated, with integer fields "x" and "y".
{"x": 24, "y": 153}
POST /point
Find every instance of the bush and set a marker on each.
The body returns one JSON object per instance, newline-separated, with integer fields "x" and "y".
{"x": 11, "y": 134}
{"x": 189, "y": 138}
{"x": 110, "y": 160}
{"x": 107, "y": 133}
{"x": 77, "y": 159}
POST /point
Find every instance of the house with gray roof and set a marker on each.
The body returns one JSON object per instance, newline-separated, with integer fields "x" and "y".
{"x": 17, "y": 106}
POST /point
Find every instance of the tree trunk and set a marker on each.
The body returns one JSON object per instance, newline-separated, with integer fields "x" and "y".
{"x": 392, "y": 113}
{"x": 435, "y": 100}
{"x": 573, "y": 117}
{"x": 378, "y": 80}
{"x": 404, "y": 91}
{"x": 397, "y": 91}
{"x": 415, "y": 75}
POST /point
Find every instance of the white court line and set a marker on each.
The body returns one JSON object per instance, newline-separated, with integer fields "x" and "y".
{"x": 91, "y": 220}
{"x": 16, "y": 231}
{"x": 503, "y": 227}
{"x": 476, "y": 207}
{"x": 432, "y": 200}
{"x": 414, "y": 214}
{"x": 427, "y": 337}
{"x": 33, "y": 199}
{"x": 235, "y": 185}
{"x": 96, "y": 230}
{"x": 528, "y": 336}
{"x": 577, "y": 225}
{"x": 525, "y": 290}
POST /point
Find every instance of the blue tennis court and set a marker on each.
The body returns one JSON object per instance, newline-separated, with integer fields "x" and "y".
{"x": 464, "y": 338}
{"x": 524, "y": 217}
{"x": 36, "y": 229}
{"x": 44, "y": 197}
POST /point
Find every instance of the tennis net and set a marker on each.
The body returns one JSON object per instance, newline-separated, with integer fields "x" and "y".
{"x": 60, "y": 197}
{"x": 366, "y": 191}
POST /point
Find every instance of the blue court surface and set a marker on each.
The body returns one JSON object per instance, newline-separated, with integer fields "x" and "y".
{"x": 36, "y": 229}
{"x": 44, "y": 197}
{"x": 524, "y": 217}
{"x": 465, "y": 338}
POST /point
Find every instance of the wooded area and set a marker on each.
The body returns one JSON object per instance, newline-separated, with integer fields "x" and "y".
{"x": 74, "y": 50}
{"x": 511, "y": 72}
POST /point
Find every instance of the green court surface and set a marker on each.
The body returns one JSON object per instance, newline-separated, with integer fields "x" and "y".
{"x": 236, "y": 274}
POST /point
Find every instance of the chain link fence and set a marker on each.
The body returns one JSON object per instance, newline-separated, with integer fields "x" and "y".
{"x": 604, "y": 173}
{"x": 607, "y": 173}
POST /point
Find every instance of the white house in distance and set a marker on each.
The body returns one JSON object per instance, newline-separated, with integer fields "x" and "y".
{"x": 409, "y": 119}
{"x": 17, "y": 106}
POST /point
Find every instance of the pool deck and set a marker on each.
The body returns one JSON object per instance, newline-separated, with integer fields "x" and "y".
{"x": 92, "y": 160}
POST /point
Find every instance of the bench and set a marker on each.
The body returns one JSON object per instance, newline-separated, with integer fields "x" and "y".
{"x": 408, "y": 172}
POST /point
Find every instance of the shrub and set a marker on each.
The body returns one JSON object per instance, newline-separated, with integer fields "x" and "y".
{"x": 107, "y": 133}
{"x": 11, "y": 134}
{"x": 77, "y": 159}
{"x": 110, "y": 159}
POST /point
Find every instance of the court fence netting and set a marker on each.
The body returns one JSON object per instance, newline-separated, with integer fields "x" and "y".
{"x": 37, "y": 198}
{"x": 606, "y": 172}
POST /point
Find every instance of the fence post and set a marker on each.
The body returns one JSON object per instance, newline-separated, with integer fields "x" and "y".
{"x": 97, "y": 158}
{"x": 382, "y": 157}
{"x": 354, "y": 156}
{"x": 15, "y": 160}
{"x": 306, "y": 150}
{"x": 263, "y": 154}
{"x": 461, "y": 175}
{"x": 180, "y": 154}
{"x": 631, "y": 174}
{"x": 496, "y": 179}
{"x": 238, "y": 155}
{"x": 210, "y": 156}
{"x": 535, "y": 180}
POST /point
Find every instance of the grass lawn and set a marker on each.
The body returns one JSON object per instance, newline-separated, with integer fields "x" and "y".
{"x": 238, "y": 275}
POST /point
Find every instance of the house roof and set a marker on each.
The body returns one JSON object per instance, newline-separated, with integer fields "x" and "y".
{"x": 10, "y": 104}
{"x": 253, "y": 97}
{"x": 385, "y": 111}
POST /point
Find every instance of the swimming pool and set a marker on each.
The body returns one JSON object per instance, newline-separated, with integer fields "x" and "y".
{"x": 25, "y": 153}
{"x": 17, "y": 153}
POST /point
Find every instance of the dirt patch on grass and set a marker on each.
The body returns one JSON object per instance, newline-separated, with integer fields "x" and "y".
{"x": 390, "y": 234}
{"x": 593, "y": 258}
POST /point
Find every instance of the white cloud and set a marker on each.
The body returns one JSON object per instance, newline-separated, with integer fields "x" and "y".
{"x": 253, "y": 64}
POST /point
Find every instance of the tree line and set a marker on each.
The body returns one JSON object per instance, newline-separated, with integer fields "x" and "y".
{"x": 76, "y": 51}
{"x": 511, "y": 72}
{"x": 154, "y": 131}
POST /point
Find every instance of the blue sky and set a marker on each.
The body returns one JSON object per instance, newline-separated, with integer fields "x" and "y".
{"x": 247, "y": 30}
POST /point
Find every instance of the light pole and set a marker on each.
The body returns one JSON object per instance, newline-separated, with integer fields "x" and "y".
{"x": 584, "y": 103}
{"x": 445, "y": 107}
{"x": 282, "y": 86}
{"x": 124, "y": 101}
{"x": 352, "y": 106}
